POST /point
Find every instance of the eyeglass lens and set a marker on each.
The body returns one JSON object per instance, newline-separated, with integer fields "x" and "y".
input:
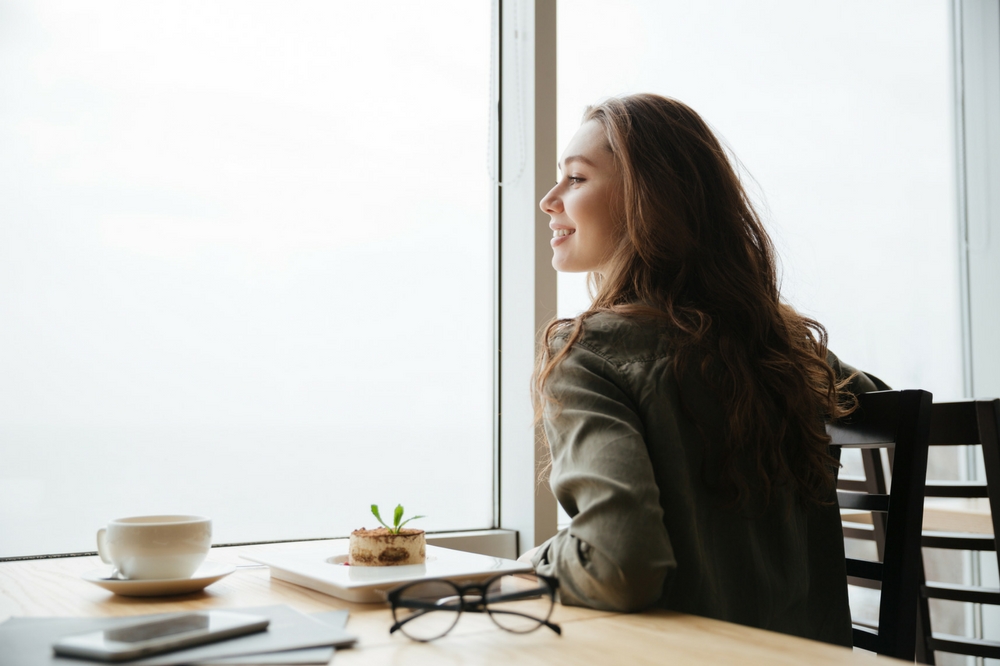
{"x": 505, "y": 602}
{"x": 427, "y": 610}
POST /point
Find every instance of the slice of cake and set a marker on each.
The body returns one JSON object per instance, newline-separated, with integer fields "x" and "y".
{"x": 382, "y": 548}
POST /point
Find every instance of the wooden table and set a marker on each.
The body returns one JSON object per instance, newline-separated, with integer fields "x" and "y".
{"x": 958, "y": 514}
{"x": 53, "y": 587}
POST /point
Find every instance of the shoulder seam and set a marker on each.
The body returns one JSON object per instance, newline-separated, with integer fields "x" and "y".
{"x": 618, "y": 363}
{"x": 620, "y": 379}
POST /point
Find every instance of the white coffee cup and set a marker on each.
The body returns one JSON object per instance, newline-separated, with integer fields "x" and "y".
{"x": 155, "y": 547}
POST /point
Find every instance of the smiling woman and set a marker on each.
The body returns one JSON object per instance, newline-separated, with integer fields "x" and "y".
{"x": 846, "y": 134}
{"x": 685, "y": 408}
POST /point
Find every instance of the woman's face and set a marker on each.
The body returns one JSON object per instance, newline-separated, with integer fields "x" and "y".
{"x": 581, "y": 204}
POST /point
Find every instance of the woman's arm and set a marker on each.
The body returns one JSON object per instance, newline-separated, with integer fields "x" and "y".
{"x": 616, "y": 554}
{"x": 861, "y": 382}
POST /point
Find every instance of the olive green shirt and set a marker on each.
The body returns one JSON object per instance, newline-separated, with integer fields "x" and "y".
{"x": 629, "y": 466}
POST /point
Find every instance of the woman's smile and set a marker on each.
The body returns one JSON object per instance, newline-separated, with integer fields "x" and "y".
{"x": 560, "y": 235}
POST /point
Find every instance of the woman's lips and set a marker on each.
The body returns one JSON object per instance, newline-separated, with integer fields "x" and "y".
{"x": 559, "y": 236}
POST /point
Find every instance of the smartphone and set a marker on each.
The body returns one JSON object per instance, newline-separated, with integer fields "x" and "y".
{"x": 161, "y": 635}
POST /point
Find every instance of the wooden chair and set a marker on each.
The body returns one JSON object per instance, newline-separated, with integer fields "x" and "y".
{"x": 966, "y": 423}
{"x": 898, "y": 421}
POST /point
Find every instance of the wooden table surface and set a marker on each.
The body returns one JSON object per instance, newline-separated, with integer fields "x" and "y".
{"x": 53, "y": 587}
{"x": 958, "y": 514}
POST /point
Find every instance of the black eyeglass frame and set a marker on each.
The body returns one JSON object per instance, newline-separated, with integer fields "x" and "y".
{"x": 476, "y": 603}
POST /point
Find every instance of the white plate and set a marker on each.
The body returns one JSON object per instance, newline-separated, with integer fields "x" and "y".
{"x": 207, "y": 573}
{"x": 324, "y": 570}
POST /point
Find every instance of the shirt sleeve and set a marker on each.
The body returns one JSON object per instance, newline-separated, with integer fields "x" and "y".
{"x": 861, "y": 382}
{"x": 615, "y": 554}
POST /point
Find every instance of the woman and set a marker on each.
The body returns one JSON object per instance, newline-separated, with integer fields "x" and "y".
{"x": 684, "y": 411}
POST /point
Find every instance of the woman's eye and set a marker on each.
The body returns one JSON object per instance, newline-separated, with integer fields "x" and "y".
{"x": 575, "y": 179}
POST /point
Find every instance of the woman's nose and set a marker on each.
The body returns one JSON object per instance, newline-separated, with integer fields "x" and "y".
{"x": 550, "y": 203}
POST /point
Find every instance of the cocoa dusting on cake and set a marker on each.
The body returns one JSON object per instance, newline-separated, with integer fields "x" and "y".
{"x": 385, "y": 532}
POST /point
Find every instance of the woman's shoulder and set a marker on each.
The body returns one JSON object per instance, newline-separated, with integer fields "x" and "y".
{"x": 618, "y": 338}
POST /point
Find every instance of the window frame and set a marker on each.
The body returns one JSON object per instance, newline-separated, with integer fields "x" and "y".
{"x": 975, "y": 28}
{"x": 976, "y": 31}
{"x": 527, "y": 281}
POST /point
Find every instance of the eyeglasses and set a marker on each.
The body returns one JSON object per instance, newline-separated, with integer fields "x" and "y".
{"x": 428, "y": 609}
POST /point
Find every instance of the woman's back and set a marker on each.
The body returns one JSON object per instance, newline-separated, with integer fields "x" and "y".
{"x": 635, "y": 453}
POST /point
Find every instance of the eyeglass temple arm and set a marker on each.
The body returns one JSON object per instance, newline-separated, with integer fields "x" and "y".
{"x": 551, "y": 625}
{"x": 423, "y": 611}
{"x": 399, "y": 623}
{"x": 516, "y": 596}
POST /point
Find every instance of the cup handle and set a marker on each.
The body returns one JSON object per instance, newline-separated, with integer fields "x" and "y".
{"x": 102, "y": 547}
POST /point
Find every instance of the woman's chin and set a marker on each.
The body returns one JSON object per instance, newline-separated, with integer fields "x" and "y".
{"x": 563, "y": 267}
{"x": 566, "y": 265}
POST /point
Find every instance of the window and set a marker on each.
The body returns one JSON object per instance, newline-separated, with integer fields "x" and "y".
{"x": 248, "y": 267}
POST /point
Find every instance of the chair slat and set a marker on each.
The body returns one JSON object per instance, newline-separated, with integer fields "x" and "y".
{"x": 873, "y": 426}
{"x": 954, "y": 424}
{"x": 955, "y": 489}
{"x": 972, "y": 594}
{"x": 865, "y": 638}
{"x": 958, "y": 541}
{"x": 863, "y": 502}
{"x": 977, "y": 647}
{"x": 864, "y": 582}
{"x": 864, "y": 569}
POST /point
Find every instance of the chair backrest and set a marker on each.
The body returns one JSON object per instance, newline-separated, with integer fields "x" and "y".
{"x": 964, "y": 423}
{"x": 898, "y": 421}
{"x": 969, "y": 423}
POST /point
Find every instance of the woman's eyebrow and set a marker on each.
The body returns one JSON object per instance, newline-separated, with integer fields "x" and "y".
{"x": 573, "y": 158}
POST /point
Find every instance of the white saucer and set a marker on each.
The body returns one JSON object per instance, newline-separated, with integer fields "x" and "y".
{"x": 207, "y": 573}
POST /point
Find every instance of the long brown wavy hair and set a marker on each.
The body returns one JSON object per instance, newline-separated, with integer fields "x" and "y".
{"x": 693, "y": 255}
